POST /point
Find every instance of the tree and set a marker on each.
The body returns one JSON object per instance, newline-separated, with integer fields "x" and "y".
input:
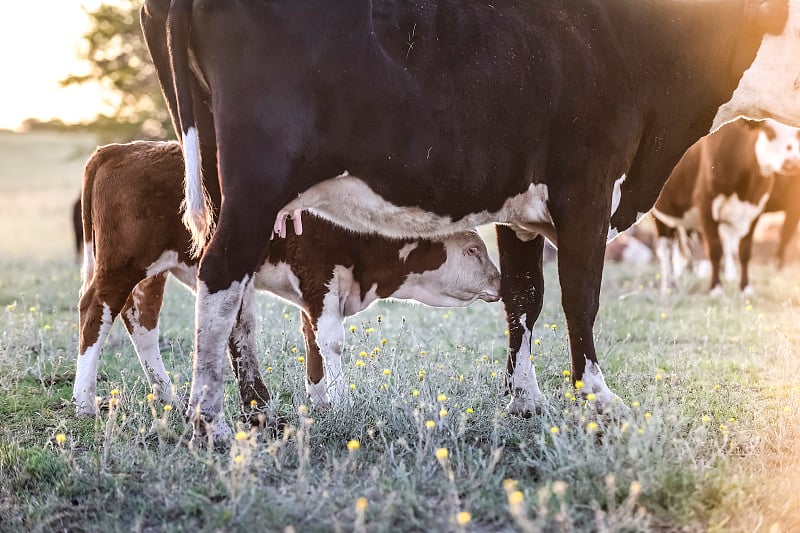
{"x": 119, "y": 60}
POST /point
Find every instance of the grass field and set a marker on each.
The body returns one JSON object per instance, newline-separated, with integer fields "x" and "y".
{"x": 711, "y": 443}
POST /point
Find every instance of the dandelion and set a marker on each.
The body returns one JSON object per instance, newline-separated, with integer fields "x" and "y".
{"x": 554, "y": 430}
{"x": 32, "y": 309}
{"x": 415, "y": 392}
{"x": 659, "y": 377}
{"x": 443, "y": 413}
{"x": 114, "y": 392}
{"x": 470, "y": 410}
{"x": 253, "y": 404}
{"x": 442, "y": 454}
{"x": 61, "y": 438}
{"x": 301, "y": 359}
{"x": 269, "y": 369}
{"x": 640, "y": 431}
{"x": 717, "y": 387}
{"x": 569, "y": 395}
{"x": 706, "y": 419}
{"x": 787, "y": 409}
{"x": 647, "y": 416}
{"x": 553, "y": 327}
{"x": 294, "y": 349}
{"x": 384, "y": 341}
{"x": 463, "y": 518}
{"x": 663, "y": 316}
{"x": 591, "y": 396}
{"x": 591, "y": 427}
{"x": 566, "y": 373}
{"x": 579, "y": 384}
{"x": 302, "y": 409}
{"x": 430, "y": 424}
{"x": 369, "y": 330}
{"x": 516, "y": 498}
{"x": 505, "y": 332}
{"x": 625, "y": 427}
{"x": 422, "y": 352}
{"x": 538, "y": 342}
{"x": 238, "y": 459}
{"x": 379, "y": 318}
{"x": 509, "y": 484}
{"x": 494, "y": 374}
{"x": 635, "y": 404}
{"x": 442, "y": 397}
{"x": 360, "y": 363}
{"x": 150, "y": 397}
{"x": 485, "y": 358}
{"x": 286, "y": 315}
{"x": 353, "y": 445}
{"x": 731, "y": 420}
{"x": 47, "y": 327}
{"x": 361, "y": 505}
{"x": 241, "y": 436}
{"x": 352, "y": 329}
{"x": 353, "y": 386}
{"x": 167, "y": 408}
{"x": 387, "y": 372}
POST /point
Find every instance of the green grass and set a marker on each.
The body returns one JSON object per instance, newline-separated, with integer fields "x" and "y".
{"x": 710, "y": 442}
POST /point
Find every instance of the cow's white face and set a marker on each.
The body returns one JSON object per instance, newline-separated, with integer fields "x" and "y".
{"x": 770, "y": 88}
{"x": 778, "y": 149}
{"x": 466, "y": 275}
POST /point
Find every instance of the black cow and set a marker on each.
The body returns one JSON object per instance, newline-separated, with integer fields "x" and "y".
{"x": 427, "y": 117}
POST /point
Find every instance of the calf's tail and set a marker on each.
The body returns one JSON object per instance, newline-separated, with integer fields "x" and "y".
{"x": 197, "y": 211}
{"x": 89, "y": 173}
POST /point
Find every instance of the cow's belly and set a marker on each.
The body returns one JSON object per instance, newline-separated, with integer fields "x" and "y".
{"x": 735, "y": 215}
{"x": 349, "y": 202}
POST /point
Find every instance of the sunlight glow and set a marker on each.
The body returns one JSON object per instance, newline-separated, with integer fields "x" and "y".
{"x": 39, "y": 44}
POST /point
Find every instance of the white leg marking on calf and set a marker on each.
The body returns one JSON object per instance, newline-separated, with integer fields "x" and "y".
{"x": 330, "y": 339}
{"x": 85, "y": 387}
{"x": 145, "y": 342}
{"x": 524, "y": 377}
{"x": 317, "y": 393}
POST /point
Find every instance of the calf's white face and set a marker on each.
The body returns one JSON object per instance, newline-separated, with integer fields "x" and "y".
{"x": 778, "y": 149}
{"x": 466, "y": 275}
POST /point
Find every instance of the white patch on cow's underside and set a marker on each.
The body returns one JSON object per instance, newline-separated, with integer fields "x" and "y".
{"x": 145, "y": 342}
{"x": 280, "y": 280}
{"x": 85, "y": 387}
{"x": 734, "y": 218}
{"x": 407, "y": 249}
{"x": 348, "y": 201}
{"x": 525, "y": 389}
{"x": 166, "y": 261}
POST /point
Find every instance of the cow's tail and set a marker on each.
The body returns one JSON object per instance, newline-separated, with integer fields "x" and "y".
{"x": 89, "y": 173}
{"x": 197, "y": 211}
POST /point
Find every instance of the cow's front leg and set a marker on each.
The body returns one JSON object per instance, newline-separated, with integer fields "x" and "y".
{"x": 522, "y": 290}
{"x": 581, "y": 246}
{"x": 244, "y": 360}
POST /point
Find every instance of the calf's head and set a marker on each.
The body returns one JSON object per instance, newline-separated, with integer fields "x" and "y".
{"x": 777, "y": 148}
{"x": 462, "y": 275}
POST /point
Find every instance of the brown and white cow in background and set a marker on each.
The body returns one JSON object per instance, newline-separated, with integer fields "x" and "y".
{"x": 785, "y": 197}
{"x": 720, "y": 187}
{"x": 134, "y": 238}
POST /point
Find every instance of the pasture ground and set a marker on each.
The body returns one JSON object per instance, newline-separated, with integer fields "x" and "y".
{"x": 710, "y": 443}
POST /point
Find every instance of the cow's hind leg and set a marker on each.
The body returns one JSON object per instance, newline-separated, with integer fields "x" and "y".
{"x": 244, "y": 362}
{"x": 522, "y": 290}
{"x": 140, "y": 316}
{"x": 581, "y": 246}
{"x": 316, "y": 385}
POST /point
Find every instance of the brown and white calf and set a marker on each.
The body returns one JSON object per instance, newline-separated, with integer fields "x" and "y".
{"x": 134, "y": 238}
{"x": 720, "y": 187}
{"x": 785, "y": 197}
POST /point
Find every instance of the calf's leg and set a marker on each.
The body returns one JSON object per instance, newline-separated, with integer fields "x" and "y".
{"x": 140, "y": 316}
{"x": 316, "y": 387}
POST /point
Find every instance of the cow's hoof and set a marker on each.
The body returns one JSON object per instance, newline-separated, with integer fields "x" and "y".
{"x": 748, "y": 291}
{"x": 85, "y": 408}
{"x": 716, "y": 292}
{"x": 610, "y": 405}
{"x": 522, "y": 406}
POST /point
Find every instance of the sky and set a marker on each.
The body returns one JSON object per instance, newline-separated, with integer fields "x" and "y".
{"x": 39, "y": 44}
